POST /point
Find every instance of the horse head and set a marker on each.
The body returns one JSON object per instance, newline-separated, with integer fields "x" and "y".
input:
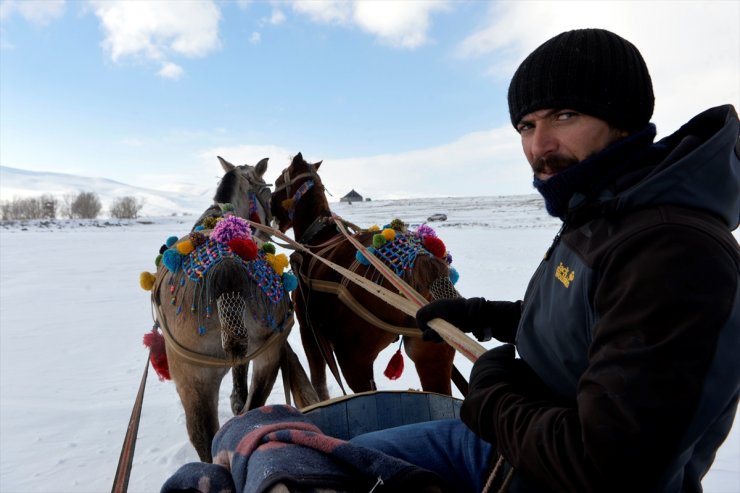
{"x": 295, "y": 182}
{"x": 246, "y": 190}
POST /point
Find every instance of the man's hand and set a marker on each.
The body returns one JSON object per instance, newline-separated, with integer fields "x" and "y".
{"x": 474, "y": 315}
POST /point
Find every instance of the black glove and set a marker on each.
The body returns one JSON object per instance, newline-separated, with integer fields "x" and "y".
{"x": 485, "y": 319}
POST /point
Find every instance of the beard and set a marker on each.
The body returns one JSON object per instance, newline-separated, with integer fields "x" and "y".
{"x": 552, "y": 164}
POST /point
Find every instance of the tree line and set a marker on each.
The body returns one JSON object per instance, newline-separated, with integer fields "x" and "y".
{"x": 81, "y": 205}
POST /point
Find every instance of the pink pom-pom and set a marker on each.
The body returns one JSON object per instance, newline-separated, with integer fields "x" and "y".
{"x": 231, "y": 228}
{"x": 246, "y": 249}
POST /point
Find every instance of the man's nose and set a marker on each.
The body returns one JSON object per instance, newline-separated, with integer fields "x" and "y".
{"x": 543, "y": 141}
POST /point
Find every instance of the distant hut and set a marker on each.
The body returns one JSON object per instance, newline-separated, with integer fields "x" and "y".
{"x": 352, "y": 196}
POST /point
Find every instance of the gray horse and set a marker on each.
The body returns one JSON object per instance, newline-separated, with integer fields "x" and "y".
{"x": 214, "y": 316}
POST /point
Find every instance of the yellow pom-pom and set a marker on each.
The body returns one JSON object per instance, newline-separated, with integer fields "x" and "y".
{"x": 146, "y": 281}
{"x": 185, "y": 247}
{"x": 277, "y": 262}
{"x": 389, "y": 234}
{"x": 374, "y": 227}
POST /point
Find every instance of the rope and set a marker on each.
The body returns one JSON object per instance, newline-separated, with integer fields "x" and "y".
{"x": 126, "y": 459}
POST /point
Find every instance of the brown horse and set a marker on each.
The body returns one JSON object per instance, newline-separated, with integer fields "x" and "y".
{"x": 335, "y": 316}
{"x": 248, "y": 324}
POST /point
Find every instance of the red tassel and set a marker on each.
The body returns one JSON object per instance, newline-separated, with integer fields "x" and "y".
{"x": 157, "y": 354}
{"x": 255, "y": 218}
{"x": 395, "y": 366}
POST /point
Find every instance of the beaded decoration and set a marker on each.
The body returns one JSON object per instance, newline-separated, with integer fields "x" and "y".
{"x": 398, "y": 248}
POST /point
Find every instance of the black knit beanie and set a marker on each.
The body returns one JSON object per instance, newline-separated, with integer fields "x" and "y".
{"x": 593, "y": 71}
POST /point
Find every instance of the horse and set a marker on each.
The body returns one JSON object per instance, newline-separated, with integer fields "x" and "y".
{"x": 252, "y": 323}
{"x": 338, "y": 318}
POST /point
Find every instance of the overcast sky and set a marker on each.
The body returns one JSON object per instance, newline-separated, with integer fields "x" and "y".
{"x": 399, "y": 98}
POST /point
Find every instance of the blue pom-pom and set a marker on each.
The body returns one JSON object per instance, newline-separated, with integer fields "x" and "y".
{"x": 201, "y": 330}
{"x": 171, "y": 241}
{"x": 289, "y": 282}
{"x": 361, "y": 258}
{"x": 172, "y": 260}
{"x": 454, "y": 275}
{"x": 199, "y": 228}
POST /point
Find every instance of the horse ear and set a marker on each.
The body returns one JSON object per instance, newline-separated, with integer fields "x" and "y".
{"x": 261, "y": 167}
{"x": 227, "y": 166}
{"x": 316, "y": 165}
{"x": 297, "y": 158}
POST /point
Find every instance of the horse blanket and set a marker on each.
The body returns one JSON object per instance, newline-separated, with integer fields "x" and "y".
{"x": 274, "y": 445}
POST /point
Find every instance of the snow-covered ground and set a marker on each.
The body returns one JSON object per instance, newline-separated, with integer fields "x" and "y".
{"x": 73, "y": 315}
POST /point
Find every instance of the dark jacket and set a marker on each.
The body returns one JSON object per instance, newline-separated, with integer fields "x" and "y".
{"x": 632, "y": 321}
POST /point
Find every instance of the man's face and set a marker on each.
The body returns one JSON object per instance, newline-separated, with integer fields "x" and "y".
{"x": 555, "y": 139}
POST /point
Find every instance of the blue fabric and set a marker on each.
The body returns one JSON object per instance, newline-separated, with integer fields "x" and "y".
{"x": 446, "y": 447}
{"x": 277, "y": 444}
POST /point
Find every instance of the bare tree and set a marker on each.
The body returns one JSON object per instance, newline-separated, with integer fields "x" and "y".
{"x": 49, "y": 205}
{"x": 65, "y": 210}
{"x": 126, "y": 208}
{"x": 86, "y": 206}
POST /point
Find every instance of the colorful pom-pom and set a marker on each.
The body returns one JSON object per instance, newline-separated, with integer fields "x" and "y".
{"x": 268, "y": 248}
{"x": 395, "y": 366}
{"x": 146, "y": 281}
{"x": 228, "y": 206}
{"x": 230, "y": 228}
{"x": 158, "y": 260}
{"x": 157, "y": 354}
{"x": 425, "y": 230}
{"x": 379, "y": 240}
{"x": 199, "y": 228}
{"x": 454, "y": 275}
{"x": 209, "y": 222}
{"x": 290, "y": 282}
{"x": 172, "y": 260}
{"x": 197, "y": 238}
{"x": 184, "y": 247}
{"x": 163, "y": 248}
{"x": 171, "y": 241}
{"x": 278, "y": 262}
{"x": 398, "y": 225}
{"x": 435, "y": 246}
{"x": 361, "y": 258}
{"x": 246, "y": 249}
{"x": 389, "y": 234}
{"x": 373, "y": 228}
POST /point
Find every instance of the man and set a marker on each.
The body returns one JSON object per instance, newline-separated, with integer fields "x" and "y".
{"x": 629, "y": 331}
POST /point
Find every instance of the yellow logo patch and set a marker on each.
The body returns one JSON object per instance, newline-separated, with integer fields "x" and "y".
{"x": 565, "y": 275}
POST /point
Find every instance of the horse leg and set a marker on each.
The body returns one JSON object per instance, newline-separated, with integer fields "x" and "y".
{"x": 264, "y": 373}
{"x": 314, "y": 356}
{"x": 433, "y": 363}
{"x": 199, "y": 396}
{"x": 356, "y": 362}
{"x": 303, "y": 392}
{"x": 240, "y": 391}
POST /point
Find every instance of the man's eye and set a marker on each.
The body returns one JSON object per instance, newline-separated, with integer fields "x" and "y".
{"x": 524, "y": 126}
{"x": 565, "y": 115}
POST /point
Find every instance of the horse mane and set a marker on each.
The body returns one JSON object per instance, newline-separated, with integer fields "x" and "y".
{"x": 225, "y": 189}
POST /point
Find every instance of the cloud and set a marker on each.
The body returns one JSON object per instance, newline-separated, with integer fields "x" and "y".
{"x": 158, "y": 30}
{"x": 277, "y": 17}
{"x": 170, "y": 70}
{"x": 398, "y": 24}
{"x": 40, "y": 13}
{"x": 692, "y": 48}
{"x": 255, "y": 38}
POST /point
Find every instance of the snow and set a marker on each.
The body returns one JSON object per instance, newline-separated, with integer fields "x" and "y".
{"x": 73, "y": 317}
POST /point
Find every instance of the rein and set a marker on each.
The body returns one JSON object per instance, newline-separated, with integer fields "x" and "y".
{"x": 408, "y": 304}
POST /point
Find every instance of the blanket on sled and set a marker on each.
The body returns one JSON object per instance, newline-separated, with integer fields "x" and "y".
{"x": 277, "y": 445}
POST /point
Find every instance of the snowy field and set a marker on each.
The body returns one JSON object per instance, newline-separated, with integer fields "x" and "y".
{"x": 73, "y": 316}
